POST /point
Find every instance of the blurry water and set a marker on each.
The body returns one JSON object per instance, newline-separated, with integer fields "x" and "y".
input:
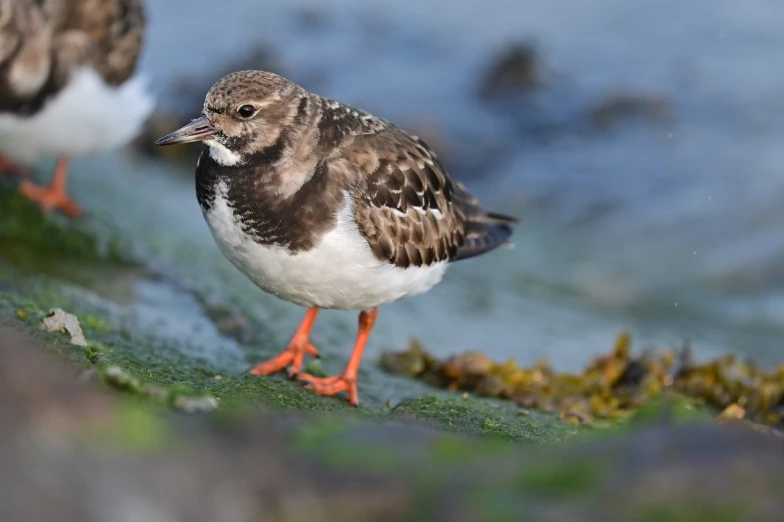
{"x": 671, "y": 230}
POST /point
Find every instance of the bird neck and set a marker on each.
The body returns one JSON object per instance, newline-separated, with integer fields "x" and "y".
{"x": 252, "y": 190}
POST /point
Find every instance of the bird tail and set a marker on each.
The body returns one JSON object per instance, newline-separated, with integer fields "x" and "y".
{"x": 485, "y": 231}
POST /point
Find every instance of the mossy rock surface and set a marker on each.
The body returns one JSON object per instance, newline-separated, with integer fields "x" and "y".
{"x": 105, "y": 453}
{"x": 164, "y": 339}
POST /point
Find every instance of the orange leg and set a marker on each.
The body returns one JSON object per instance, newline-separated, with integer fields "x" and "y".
{"x": 295, "y": 352}
{"x": 347, "y": 381}
{"x": 54, "y": 196}
{"x": 8, "y": 166}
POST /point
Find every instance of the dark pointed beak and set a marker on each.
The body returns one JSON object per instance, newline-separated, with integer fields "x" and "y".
{"x": 197, "y": 130}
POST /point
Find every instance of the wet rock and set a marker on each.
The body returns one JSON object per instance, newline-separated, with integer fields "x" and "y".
{"x": 38, "y": 392}
{"x": 516, "y": 69}
{"x": 60, "y": 321}
{"x": 620, "y": 107}
{"x": 312, "y": 18}
{"x": 544, "y": 105}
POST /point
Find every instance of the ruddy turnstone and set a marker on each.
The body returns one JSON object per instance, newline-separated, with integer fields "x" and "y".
{"x": 327, "y": 206}
{"x": 67, "y": 85}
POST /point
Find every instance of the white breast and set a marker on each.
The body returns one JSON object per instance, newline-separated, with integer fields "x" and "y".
{"x": 86, "y": 117}
{"x": 340, "y": 272}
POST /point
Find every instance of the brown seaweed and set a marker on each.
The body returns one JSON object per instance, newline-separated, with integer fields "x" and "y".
{"x": 611, "y": 386}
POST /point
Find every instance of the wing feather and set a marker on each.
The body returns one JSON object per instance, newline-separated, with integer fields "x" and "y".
{"x": 409, "y": 209}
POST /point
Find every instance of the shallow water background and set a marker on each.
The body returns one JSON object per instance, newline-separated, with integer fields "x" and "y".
{"x": 670, "y": 228}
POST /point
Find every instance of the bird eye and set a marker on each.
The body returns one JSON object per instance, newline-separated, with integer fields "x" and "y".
{"x": 246, "y": 111}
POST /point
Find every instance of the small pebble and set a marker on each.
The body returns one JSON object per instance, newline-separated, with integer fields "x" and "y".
{"x": 60, "y": 321}
{"x": 195, "y": 404}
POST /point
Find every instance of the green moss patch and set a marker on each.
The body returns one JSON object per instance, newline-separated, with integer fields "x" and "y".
{"x": 470, "y": 415}
{"x": 37, "y": 243}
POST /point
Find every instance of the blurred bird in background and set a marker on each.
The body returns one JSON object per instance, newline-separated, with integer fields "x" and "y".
{"x": 67, "y": 86}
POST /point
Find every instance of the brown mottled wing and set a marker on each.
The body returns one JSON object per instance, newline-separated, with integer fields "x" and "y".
{"x": 410, "y": 211}
{"x": 113, "y": 31}
{"x": 50, "y": 39}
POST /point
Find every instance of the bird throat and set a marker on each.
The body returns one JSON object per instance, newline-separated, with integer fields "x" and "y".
{"x": 251, "y": 190}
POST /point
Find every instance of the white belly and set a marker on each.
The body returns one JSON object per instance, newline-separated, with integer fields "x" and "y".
{"x": 340, "y": 272}
{"x": 86, "y": 117}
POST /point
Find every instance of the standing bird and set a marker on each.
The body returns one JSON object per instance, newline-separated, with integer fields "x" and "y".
{"x": 327, "y": 206}
{"x": 67, "y": 85}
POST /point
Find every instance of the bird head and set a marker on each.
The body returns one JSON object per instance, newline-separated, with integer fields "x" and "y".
{"x": 243, "y": 113}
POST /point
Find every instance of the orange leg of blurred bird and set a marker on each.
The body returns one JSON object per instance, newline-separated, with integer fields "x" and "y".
{"x": 348, "y": 380}
{"x": 53, "y": 196}
{"x": 295, "y": 352}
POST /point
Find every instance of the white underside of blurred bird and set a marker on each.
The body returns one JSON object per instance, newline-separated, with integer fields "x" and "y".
{"x": 88, "y": 116}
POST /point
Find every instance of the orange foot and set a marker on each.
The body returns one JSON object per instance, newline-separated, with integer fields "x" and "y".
{"x": 348, "y": 380}
{"x": 294, "y": 354}
{"x": 332, "y": 386}
{"x": 50, "y": 198}
{"x": 54, "y": 196}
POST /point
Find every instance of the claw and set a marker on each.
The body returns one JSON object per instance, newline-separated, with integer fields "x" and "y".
{"x": 294, "y": 355}
{"x": 332, "y": 386}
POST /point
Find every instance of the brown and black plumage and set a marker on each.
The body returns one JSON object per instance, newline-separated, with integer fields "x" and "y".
{"x": 327, "y": 206}
{"x": 409, "y": 209}
{"x": 55, "y": 55}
